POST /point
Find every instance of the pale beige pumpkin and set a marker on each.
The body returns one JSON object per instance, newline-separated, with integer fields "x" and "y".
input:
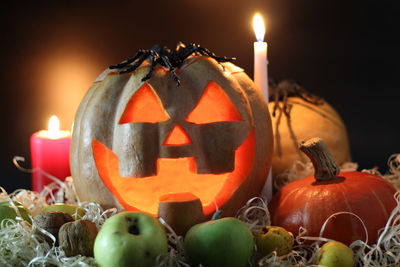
{"x": 306, "y": 121}
{"x": 136, "y": 143}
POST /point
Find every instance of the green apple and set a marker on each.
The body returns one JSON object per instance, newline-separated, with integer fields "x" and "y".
{"x": 73, "y": 210}
{"x": 223, "y": 242}
{"x": 8, "y": 212}
{"x": 130, "y": 239}
{"x": 335, "y": 254}
{"x": 274, "y": 238}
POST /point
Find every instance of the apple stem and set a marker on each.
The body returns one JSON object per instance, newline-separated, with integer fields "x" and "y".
{"x": 217, "y": 215}
{"x": 325, "y": 165}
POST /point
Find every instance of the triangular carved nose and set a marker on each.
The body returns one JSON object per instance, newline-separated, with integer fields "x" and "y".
{"x": 177, "y": 137}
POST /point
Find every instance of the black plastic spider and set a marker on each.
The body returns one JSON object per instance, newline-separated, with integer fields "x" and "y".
{"x": 288, "y": 88}
{"x": 162, "y": 55}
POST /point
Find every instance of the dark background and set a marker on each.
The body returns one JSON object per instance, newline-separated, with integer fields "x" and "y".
{"x": 344, "y": 51}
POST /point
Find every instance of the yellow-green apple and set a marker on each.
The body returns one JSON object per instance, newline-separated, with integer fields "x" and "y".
{"x": 8, "y": 212}
{"x": 223, "y": 242}
{"x": 274, "y": 238}
{"x": 130, "y": 239}
{"x": 335, "y": 254}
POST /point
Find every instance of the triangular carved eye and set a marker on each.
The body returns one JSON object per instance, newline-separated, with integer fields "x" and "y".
{"x": 213, "y": 106}
{"x": 144, "y": 106}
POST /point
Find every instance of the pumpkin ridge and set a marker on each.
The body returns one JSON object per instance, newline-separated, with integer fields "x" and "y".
{"x": 291, "y": 192}
{"x": 380, "y": 202}
{"x": 82, "y": 110}
{"x": 84, "y": 127}
{"x": 388, "y": 187}
{"x": 349, "y": 209}
{"x": 321, "y": 111}
{"x": 305, "y": 219}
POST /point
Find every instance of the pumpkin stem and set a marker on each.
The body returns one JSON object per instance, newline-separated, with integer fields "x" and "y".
{"x": 325, "y": 165}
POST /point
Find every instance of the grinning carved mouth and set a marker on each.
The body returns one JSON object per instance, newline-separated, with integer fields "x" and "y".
{"x": 174, "y": 175}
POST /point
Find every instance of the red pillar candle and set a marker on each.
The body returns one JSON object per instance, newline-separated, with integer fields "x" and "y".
{"x": 50, "y": 153}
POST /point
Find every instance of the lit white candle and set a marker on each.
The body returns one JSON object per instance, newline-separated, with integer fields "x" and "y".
{"x": 261, "y": 78}
{"x": 260, "y": 56}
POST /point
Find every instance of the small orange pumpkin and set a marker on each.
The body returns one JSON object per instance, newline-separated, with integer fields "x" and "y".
{"x": 138, "y": 143}
{"x": 310, "y": 201}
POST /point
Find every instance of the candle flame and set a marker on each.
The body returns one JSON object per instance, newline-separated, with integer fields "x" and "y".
{"x": 53, "y": 131}
{"x": 54, "y": 124}
{"x": 259, "y": 27}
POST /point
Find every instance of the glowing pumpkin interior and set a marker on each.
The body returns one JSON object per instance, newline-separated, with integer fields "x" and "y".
{"x": 178, "y": 136}
{"x": 176, "y": 175}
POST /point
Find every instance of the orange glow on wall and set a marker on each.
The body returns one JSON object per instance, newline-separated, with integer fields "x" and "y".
{"x": 63, "y": 77}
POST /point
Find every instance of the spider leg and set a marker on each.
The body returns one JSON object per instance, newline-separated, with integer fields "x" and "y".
{"x": 308, "y": 97}
{"x": 286, "y": 108}
{"x": 153, "y": 59}
{"x": 128, "y": 61}
{"x": 179, "y": 46}
{"x": 171, "y": 69}
{"x": 276, "y": 103}
{"x": 137, "y": 63}
{"x": 205, "y": 52}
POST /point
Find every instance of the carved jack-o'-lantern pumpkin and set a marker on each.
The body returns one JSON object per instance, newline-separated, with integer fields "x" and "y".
{"x": 136, "y": 143}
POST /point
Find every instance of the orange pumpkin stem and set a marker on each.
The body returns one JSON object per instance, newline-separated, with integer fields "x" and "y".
{"x": 325, "y": 165}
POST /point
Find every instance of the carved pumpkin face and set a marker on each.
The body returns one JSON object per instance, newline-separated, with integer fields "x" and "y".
{"x": 135, "y": 143}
